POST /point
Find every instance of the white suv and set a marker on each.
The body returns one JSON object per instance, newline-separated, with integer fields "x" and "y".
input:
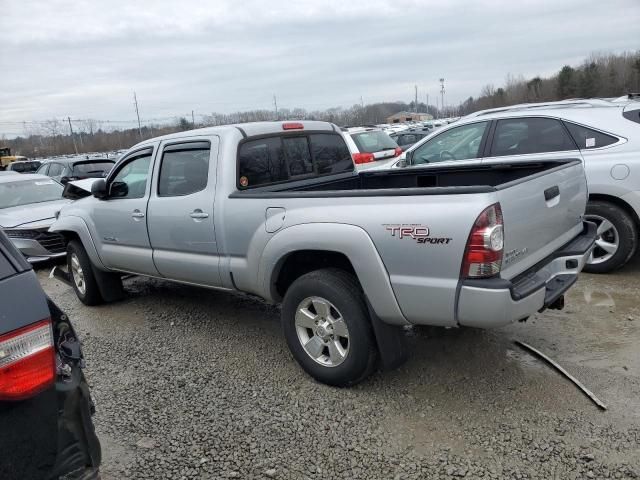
{"x": 604, "y": 134}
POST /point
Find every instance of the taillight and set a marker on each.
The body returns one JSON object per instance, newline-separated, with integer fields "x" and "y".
{"x": 398, "y": 151}
{"x": 27, "y": 361}
{"x": 292, "y": 126}
{"x": 483, "y": 254}
{"x": 359, "y": 158}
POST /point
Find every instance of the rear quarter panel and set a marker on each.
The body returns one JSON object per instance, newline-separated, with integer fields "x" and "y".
{"x": 422, "y": 263}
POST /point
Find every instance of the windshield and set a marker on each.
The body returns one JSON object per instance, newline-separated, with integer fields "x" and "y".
{"x": 94, "y": 169}
{"x": 25, "y": 166}
{"x": 14, "y": 194}
{"x": 371, "y": 142}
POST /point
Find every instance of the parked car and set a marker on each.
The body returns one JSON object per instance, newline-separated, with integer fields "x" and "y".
{"x": 45, "y": 403}
{"x": 28, "y": 206}
{"x": 276, "y": 210}
{"x": 368, "y": 145}
{"x": 65, "y": 169}
{"x": 410, "y": 136}
{"x": 24, "y": 166}
{"x": 604, "y": 134}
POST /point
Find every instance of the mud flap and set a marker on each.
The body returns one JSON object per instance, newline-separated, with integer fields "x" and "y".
{"x": 109, "y": 284}
{"x": 391, "y": 341}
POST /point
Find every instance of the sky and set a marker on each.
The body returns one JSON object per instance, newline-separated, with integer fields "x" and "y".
{"x": 84, "y": 59}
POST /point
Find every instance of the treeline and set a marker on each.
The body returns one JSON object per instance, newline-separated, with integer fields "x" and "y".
{"x": 601, "y": 75}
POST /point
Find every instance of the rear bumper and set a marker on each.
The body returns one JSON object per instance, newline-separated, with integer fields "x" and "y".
{"x": 496, "y": 302}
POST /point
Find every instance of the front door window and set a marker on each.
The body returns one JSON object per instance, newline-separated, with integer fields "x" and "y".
{"x": 458, "y": 143}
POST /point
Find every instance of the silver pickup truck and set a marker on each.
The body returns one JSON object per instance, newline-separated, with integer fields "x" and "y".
{"x": 276, "y": 210}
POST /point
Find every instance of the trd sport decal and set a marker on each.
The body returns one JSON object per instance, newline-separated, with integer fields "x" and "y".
{"x": 414, "y": 231}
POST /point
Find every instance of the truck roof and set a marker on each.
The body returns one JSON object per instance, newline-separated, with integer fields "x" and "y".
{"x": 250, "y": 129}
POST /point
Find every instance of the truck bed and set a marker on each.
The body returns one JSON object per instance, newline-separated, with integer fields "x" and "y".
{"x": 428, "y": 180}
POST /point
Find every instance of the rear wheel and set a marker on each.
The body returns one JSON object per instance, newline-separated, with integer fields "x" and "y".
{"x": 81, "y": 272}
{"x": 617, "y": 238}
{"x": 327, "y": 327}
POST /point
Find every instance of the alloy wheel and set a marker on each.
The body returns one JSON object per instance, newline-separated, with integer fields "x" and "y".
{"x": 322, "y": 331}
{"x": 77, "y": 274}
{"x": 607, "y": 240}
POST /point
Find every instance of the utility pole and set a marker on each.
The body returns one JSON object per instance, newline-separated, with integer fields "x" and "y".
{"x": 275, "y": 104}
{"x": 75, "y": 147}
{"x": 193, "y": 119}
{"x": 442, "y": 92}
{"x": 135, "y": 101}
{"x": 427, "y": 103}
{"x": 416, "y": 102}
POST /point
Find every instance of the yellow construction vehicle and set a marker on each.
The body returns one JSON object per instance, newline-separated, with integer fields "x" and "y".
{"x": 6, "y": 158}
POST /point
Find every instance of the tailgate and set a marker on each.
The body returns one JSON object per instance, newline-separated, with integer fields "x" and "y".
{"x": 541, "y": 213}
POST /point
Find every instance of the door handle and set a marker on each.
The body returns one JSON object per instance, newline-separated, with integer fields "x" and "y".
{"x": 551, "y": 192}
{"x": 198, "y": 214}
{"x": 137, "y": 214}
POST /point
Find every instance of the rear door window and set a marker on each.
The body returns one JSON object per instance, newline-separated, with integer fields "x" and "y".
{"x": 587, "y": 138}
{"x": 523, "y": 136}
{"x": 184, "y": 169}
{"x": 277, "y": 159}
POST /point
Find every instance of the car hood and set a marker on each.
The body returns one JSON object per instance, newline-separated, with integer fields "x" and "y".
{"x": 34, "y": 215}
{"x": 78, "y": 189}
{"x": 85, "y": 184}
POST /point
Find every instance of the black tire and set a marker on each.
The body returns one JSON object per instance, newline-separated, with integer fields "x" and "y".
{"x": 344, "y": 292}
{"x": 627, "y": 235}
{"x": 91, "y": 295}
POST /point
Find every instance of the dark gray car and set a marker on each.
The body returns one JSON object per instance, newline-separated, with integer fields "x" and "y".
{"x": 45, "y": 404}
{"x": 65, "y": 170}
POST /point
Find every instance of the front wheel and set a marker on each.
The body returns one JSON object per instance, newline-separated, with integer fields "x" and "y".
{"x": 617, "y": 238}
{"x": 83, "y": 279}
{"x": 327, "y": 328}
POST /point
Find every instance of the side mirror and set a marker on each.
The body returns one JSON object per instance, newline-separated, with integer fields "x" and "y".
{"x": 118, "y": 189}
{"x": 99, "y": 189}
{"x": 64, "y": 180}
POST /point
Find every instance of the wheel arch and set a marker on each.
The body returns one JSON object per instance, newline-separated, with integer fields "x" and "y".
{"x": 618, "y": 202}
{"x": 76, "y": 228}
{"x": 292, "y": 251}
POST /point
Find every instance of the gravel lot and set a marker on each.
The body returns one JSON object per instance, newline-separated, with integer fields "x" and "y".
{"x": 191, "y": 383}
